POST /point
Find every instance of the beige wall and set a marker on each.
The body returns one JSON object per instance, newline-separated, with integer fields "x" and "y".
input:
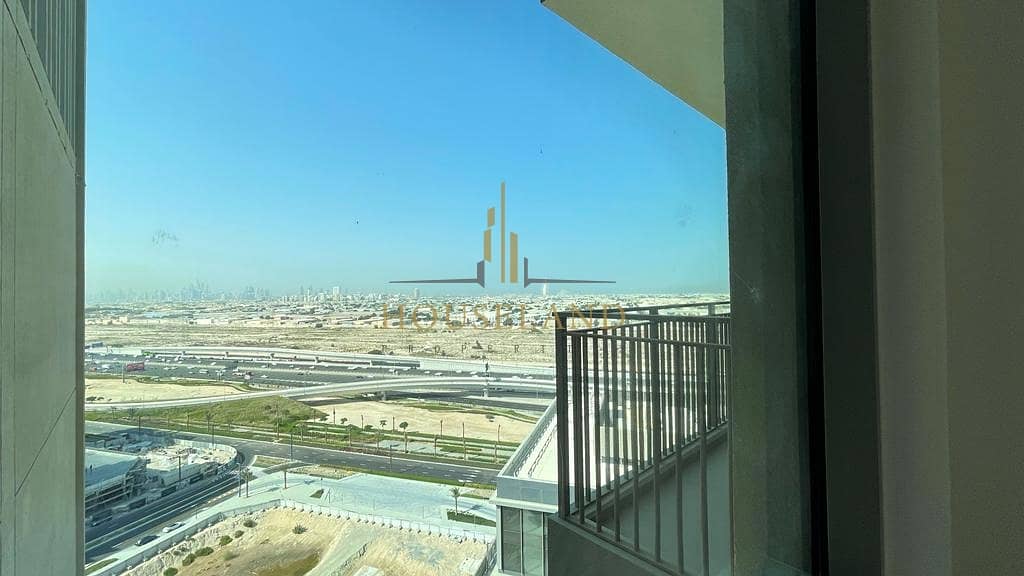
{"x": 40, "y": 341}
{"x": 948, "y": 125}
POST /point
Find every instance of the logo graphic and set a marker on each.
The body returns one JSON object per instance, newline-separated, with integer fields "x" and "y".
{"x": 511, "y": 266}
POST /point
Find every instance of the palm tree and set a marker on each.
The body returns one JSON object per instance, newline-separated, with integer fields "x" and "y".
{"x": 456, "y": 492}
{"x": 403, "y": 426}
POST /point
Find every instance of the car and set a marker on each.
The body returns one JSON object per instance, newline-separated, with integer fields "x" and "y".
{"x": 100, "y": 520}
{"x": 173, "y": 527}
{"x": 145, "y": 539}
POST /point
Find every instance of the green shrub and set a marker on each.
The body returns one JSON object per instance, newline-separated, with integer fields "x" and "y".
{"x": 224, "y": 540}
{"x": 170, "y": 572}
{"x": 238, "y": 533}
{"x": 249, "y": 523}
{"x": 188, "y": 559}
{"x": 204, "y": 551}
{"x": 298, "y": 529}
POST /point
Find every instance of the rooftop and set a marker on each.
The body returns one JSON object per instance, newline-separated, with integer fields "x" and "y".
{"x": 530, "y": 477}
{"x": 103, "y": 465}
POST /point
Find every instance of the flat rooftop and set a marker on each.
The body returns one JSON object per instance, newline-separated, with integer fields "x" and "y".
{"x": 530, "y": 477}
{"x": 103, "y": 465}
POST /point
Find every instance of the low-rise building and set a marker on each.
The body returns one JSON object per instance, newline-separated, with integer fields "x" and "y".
{"x": 111, "y": 478}
{"x": 526, "y": 494}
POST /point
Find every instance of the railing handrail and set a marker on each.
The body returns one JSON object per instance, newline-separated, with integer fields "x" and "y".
{"x": 641, "y": 392}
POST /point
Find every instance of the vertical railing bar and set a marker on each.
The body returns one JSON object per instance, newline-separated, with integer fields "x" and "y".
{"x": 619, "y": 471}
{"x": 562, "y": 417}
{"x": 638, "y": 381}
{"x": 607, "y": 471}
{"x": 694, "y": 383}
{"x": 655, "y": 400}
{"x": 627, "y": 409}
{"x": 577, "y": 406}
{"x": 635, "y": 437}
{"x": 702, "y": 429}
{"x": 680, "y": 382}
{"x": 597, "y": 435}
{"x": 712, "y": 378}
{"x": 585, "y": 413}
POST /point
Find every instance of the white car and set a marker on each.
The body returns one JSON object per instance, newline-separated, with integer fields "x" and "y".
{"x": 173, "y": 527}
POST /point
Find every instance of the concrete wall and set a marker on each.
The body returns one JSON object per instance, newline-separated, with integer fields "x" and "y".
{"x": 40, "y": 293}
{"x": 767, "y": 259}
{"x": 676, "y": 44}
{"x": 948, "y": 81}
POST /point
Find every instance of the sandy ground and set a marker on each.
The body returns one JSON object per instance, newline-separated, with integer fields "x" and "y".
{"x": 113, "y": 390}
{"x": 272, "y": 544}
{"x": 325, "y": 471}
{"x": 427, "y": 421}
{"x": 418, "y": 555}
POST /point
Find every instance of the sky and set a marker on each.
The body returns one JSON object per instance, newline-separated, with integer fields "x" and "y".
{"x": 347, "y": 144}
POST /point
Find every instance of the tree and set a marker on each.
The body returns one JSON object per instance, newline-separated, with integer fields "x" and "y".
{"x": 456, "y": 492}
{"x": 403, "y": 426}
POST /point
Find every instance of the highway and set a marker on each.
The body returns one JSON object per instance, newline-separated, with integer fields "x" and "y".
{"x": 105, "y": 538}
{"x": 305, "y": 377}
{"x": 362, "y": 386}
{"x": 451, "y": 472}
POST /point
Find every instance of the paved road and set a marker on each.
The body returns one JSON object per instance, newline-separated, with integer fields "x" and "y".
{"x": 127, "y": 526}
{"x": 175, "y": 506}
{"x": 452, "y": 472}
{"x": 375, "y": 385}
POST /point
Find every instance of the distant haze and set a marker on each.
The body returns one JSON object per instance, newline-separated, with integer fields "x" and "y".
{"x": 352, "y": 143}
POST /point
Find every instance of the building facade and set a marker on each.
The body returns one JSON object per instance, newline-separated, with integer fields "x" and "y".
{"x": 525, "y": 496}
{"x": 42, "y": 79}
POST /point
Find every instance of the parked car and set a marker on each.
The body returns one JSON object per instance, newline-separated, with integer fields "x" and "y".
{"x": 145, "y": 539}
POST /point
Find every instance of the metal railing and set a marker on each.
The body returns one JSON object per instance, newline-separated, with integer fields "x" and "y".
{"x": 638, "y": 400}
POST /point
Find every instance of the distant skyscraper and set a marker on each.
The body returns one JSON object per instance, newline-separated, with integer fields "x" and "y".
{"x": 416, "y": 293}
{"x": 336, "y": 292}
{"x": 544, "y": 289}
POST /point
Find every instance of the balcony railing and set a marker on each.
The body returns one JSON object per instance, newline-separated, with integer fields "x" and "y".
{"x": 640, "y": 398}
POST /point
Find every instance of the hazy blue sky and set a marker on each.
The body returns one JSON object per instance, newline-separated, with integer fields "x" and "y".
{"x": 351, "y": 143}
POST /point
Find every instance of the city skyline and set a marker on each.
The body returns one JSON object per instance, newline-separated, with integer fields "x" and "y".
{"x": 284, "y": 162}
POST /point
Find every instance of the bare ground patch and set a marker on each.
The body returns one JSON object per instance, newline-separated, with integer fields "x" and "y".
{"x": 131, "y": 390}
{"x": 428, "y": 421}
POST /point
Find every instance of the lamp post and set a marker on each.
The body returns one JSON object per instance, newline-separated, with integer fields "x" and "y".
{"x": 496, "y": 442}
